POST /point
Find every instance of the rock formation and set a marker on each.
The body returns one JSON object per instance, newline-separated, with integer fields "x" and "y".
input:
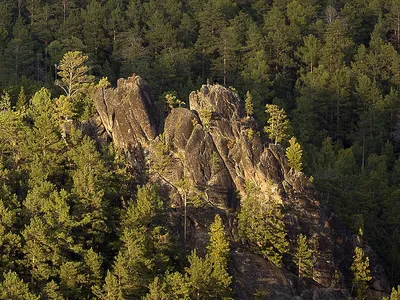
{"x": 215, "y": 148}
{"x": 127, "y": 114}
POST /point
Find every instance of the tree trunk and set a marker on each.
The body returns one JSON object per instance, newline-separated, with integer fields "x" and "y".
{"x": 185, "y": 221}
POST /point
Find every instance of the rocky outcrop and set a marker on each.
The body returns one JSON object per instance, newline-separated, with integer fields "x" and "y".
{"x": 199, "y": 160}
{"x": 215, "y": 148}
{"x": 221, "y": 110}
{"x": 128, "y": 112}
{"x": 129, "y": 116}
{"x": 248, "y": 159}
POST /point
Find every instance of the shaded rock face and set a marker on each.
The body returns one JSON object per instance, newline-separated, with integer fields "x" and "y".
{"x": 130, "y": 118}
{"x": 229, "y": 130}
{"x": 194, "y": 157}
{"x": 253, "y": 275}
{"x": 194, "y": 148}
{"x": 127, "y": 112}
{"x": 214, "y": 146}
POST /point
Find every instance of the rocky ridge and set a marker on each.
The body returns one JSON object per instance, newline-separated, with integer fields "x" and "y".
{"x": 215, "y": 148}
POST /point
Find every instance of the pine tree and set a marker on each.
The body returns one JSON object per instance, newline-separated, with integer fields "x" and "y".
{"x": 248, "y": 104}
{"x": 278, "y": 124}
{"x": 111, "y": 289}
{"x": 13, "y": 288}
{"x": 172, "y": 100}
{"x": 294, "y": 154}
{"x": 173, "y": 286}
{"x": 94, "y": 36}
{"x": 256, "y": 71}
{"x": 142, "y": 255}
{"x": 73, "y": 73}
{"x": 309, "y": 54}
{"x": 51, "y": 291}
{"x": 90, "y": 178}
{"x": 394, "y": 22}
{"x": 48, "y": 236}
{"x": 228, "y": 47}
{"x": 157, "y": 291}
{"x": 198, "y": 276}
{"x": 337, "y": 46}
{"x": 92, "y": 267}
{"x": 5, "y": 102}
{"x": 204, "y": 278}
{"x": 303, "y": 257}
{"x": 44, "y": 147}
{"x": 10, "y": 242}
{"x": 184, "y": 187}
{"x": 217, "y": 256}
{"x": 278, "y": 40}
{"x": 18, "y": 54}
{"x": 261, "y": 224}
{"x": 72, "y": 280}
{"x": 361, "y": 272}
{"x": 21, "y": 101}
{"x": 177, "y": 286}
{"x": 44, "y": 26}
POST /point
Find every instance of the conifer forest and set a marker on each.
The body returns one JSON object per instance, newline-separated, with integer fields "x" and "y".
{"x": 314, "y": 89}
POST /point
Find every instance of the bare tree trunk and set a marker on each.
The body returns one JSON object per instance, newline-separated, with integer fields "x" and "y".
{"x": 224, "y": 62}
{"x": 185, "y": 220}
{"x": 363, "y": 155}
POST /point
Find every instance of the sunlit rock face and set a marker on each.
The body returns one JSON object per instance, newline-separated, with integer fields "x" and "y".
{"x": 216, "y": 148}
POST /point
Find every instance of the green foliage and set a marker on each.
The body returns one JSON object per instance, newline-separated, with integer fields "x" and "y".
{"x": 361, "y": 272}
{"x": 157, "y": 291}
{"x": 143, "y": 253}
{"x": 205, "y": 116}
{"x": 73, "y": 73}
{"x": 44, "y": 146}
{"x": 394, "y": 295}
{"x": 161, "y": 156}
{"x": 5, "y": 103}
{"x": 89, "y": 175}
{"x": 218, "y": 255}
{"x": 10, "y": 242}
{"x": 261, "y": 224}
{"x": 198, "y": 276}
{"x": 248, "y": 104}
{"x": 48, "y": 232}
{"x": 250, "y": 134}
{"x": 303, "y": 256}
{"x": 19, "y": 54}
{"x": 190, "y": 195}
{"x": 52, "y": 291}
{"x": 13, "y": 288}
{"x": 215, "y": 162}
{"x": 204, "y": 278}
{"x": 111, "y": 290}
{"x": 172, "y": 100}
{"x": 207, "y": 277}
{"x": 176, "y": 286}
{"x": 335, "y": 71}
{"x": 278, "y": 124}
{"x": 21, "y": 101}
{"x": 294, "y": 154}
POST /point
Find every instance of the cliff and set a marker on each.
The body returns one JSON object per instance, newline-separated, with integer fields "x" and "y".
{"x": 214, "y": 147}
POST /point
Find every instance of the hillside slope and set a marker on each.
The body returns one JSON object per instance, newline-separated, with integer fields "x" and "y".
{"x": 210, "y": 147}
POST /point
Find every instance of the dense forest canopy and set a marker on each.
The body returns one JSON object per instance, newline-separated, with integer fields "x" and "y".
{"x": 334, "y": 67}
